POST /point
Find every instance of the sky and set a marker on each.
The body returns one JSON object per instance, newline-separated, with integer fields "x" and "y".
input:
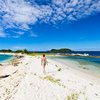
{"x": 41, "y": 25}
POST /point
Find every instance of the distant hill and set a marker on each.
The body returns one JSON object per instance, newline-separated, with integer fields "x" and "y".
{"x": 62, "y": 50}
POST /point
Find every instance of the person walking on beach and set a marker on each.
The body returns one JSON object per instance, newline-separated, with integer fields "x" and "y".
{"x": 43, "y": 62}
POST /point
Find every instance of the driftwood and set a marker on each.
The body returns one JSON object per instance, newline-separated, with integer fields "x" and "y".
{"x": 4, "y": 76}
{"x": 1, "y": 65}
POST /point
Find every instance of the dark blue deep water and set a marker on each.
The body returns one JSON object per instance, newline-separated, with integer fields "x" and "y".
{"x": 94, "y": 56}
{"x": 91, "y": 53}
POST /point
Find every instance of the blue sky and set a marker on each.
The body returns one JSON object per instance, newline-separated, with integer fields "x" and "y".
{"x": 47, "y": 24}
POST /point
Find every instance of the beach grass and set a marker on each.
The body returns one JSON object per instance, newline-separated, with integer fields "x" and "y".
{"x": 52, "y": 79}
{"x": 14, "y": 62}
{"x": 73, "y": 96}
{"x": 59, "y": 69}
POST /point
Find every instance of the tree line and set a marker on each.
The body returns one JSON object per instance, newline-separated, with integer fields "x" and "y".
{"x": 62, "y": 50}
{"x": 17, "y": 51}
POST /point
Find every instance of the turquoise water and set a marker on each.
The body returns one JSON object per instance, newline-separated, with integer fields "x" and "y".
{"x": 4, "y": 58}
{"x": 92, "y": 60}
{"x": 86, "y": 63}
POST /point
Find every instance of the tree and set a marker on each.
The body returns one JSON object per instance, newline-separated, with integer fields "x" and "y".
{"x": 25, "y": 51}
{"x": 21, "y": 51}
{"x": 6, "y": 50}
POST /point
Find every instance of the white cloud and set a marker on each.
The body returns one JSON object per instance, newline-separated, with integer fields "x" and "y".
{"x": 15, "y": 36}
{"x": 18, "y": 47}
{"x": 2, "y": 34}
{"x": 24, "y": 27}
{"x": 33, "y": 35}
{"x": 22, "y": 13}
{"x": 20, "y": 33}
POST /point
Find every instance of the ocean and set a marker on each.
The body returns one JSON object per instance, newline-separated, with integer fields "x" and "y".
{"x": 5, "y": 58}
{"x": 91, "y": 53}
{"x": 91, "y": 62}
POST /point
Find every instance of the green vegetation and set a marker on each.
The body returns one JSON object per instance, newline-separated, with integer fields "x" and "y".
{"x": 6, "y": 50}
{"x": 76, "y": 95}
{"x": 59, "y": 69}
{"x": 22, "y": 51}
{"x": 63, "y": 50}
{"x": 25, "y": 51}
{"x": 14, "y": 62}
{"x": 52, "y": 79}
{"x": 73, "y": 96}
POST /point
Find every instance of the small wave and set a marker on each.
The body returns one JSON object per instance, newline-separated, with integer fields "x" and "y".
{"x": 77, "y": 54}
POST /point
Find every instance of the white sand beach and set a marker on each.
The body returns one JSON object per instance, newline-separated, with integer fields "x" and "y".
{"x": 26, "y": 81}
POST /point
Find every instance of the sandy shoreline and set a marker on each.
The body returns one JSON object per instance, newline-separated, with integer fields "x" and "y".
{"x": 27, "y": 81}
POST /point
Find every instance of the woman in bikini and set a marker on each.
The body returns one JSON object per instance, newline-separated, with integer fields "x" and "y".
{"x": 43, "y": 62}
